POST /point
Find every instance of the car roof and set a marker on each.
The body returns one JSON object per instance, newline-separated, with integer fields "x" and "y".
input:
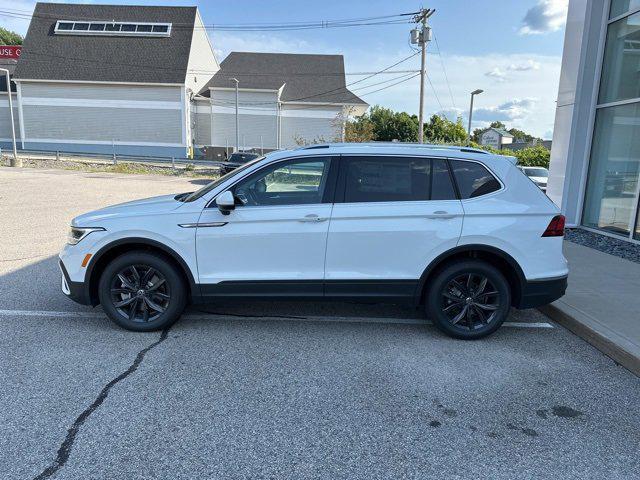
{"x": 396, "y": 148}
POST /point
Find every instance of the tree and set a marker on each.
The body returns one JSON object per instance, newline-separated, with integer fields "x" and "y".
{"x": 520, "y": 135}
{"x": 440, "y": 129}
{"x": 389, "y": 125}
{"x": 7, "y": 37}
{"x": 537, "y": 156}
{"x": 359, "y": 130}
{"x": 498, "y": 124}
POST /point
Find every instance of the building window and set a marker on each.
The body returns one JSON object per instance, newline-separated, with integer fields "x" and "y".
{"x": 611, "y": 198}
{"x": 620, "y": 7}
{"x": 140, "y": 29}
{"x": 615, "y": 165}
{"x": 621, "y": 63}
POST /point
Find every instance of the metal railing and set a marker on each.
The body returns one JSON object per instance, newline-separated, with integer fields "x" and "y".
{"x": 115, "y": 158}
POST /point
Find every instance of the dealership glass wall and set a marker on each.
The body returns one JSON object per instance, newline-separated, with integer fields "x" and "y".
{"x": 611, "y": 198}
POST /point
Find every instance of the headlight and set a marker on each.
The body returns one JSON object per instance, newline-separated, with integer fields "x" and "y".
{"x": 78, "y": 233}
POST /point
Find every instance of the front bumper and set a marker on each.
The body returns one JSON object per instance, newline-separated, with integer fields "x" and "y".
{"x": 76, "y": 291}
{"x": 536, "y": 293}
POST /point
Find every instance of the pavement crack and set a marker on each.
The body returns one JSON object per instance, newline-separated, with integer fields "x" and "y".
{"x": 65, "y": 448}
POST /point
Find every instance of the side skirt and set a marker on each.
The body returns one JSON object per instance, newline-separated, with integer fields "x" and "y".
{"x": 374, "y": 291}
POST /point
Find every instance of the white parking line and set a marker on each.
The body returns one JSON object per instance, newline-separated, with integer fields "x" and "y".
{"x": 200, "y": 316}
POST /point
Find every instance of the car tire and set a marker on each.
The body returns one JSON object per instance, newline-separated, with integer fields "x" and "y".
{"x": 468, "y": 299}
{"x": 142, "y": 291}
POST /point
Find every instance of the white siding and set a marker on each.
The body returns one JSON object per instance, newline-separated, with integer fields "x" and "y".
{"x": 102, "y": 124}
{"x": 202, "y": 63}
{"x": 308, "y": 124}
{"x": 201, "y": 123}
{"x": 258, "y": 119}
{"x": 5, "y": 120}
{"x": 101, "y": 92}
{"x": 102, "y": 113}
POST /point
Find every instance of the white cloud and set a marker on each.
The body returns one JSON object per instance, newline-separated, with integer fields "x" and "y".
{"x": 524, "y": 67}
{"x": 497, "y": 74}
{"x": 546, "y": 16}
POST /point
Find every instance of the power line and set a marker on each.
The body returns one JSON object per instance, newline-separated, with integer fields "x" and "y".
{"x": 453, "y": 102}
{"x": 393, "y": 19}
{"x": 434, "y": 92}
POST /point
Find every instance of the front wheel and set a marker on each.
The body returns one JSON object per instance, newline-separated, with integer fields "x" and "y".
{"x": 469, "y": 299}
{"x": 142, "y": 291}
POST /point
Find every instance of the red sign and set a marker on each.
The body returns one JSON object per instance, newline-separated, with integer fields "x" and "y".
{"x": 10, "y": 51}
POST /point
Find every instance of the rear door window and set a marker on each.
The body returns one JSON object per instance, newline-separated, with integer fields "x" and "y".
{"x": 395, "y": 179}
{"x": 473, "y": 179}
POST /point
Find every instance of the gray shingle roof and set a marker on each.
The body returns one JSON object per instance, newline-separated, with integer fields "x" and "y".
{"x": 502, "y": 132}
{"x": 306, "y": 78}
{"x": 46, "y": 56}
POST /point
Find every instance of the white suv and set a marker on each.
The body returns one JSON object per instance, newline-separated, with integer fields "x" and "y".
{"x": 460, "y": 231}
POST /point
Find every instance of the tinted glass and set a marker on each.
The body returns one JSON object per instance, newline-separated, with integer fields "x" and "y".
{"x": 145, "y": 28}
{"x": 160, "y": 28}
{"x": 65, "y": 26}
{"x": 81, "y": 26}
{"x": 128, "y": 28}
{"x": 387, "y": 179}
{"x": 473, "y": 179}
{"x": 441, "y": 184}
{"x": 113, "y": 27}
{"x": 97, "y": 27}
{"x": 297, "y": 182}
{"x": 614, "y": 169}
{"x": 620, "y": 79}
{"x": 618, "y": 7}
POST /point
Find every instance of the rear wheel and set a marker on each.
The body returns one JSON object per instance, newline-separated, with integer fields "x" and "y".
{"x": 469, "y": 299}
{"x": 142, "y": 291}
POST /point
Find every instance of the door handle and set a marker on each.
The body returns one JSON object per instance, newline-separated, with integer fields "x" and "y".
{"x": 313, "y": 218}
{"x": 441, "y": 214}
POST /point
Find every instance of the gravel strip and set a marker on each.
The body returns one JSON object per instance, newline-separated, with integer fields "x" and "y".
{"x": 603, "y": 243}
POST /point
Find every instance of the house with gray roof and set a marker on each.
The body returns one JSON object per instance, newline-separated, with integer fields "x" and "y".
{"x": 283, "y": 100}
{"x": 111, "y": 79}
{"x": 144, "y": 80}
{"x": 496, "y": 137}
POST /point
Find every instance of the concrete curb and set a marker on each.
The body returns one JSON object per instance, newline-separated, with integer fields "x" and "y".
{"x": 616, "y": 347}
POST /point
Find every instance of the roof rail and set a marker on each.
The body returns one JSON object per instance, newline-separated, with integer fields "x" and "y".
{"x": 458, "y": 148}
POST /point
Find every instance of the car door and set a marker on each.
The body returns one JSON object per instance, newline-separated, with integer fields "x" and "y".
{"x": 392, "y": 216}
{"x": 274, "y": 241}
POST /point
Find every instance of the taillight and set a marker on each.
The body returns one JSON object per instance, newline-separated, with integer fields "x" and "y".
{"x": 555, "y": 228}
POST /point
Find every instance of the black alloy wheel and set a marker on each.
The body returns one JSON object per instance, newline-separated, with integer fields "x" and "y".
{"x": 468, "y": 299}
{"x": 140, "y": 293}
{"x": 143, "y": 291}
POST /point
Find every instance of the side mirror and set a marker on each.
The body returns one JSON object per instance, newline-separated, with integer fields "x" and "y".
{"x": 226, "y": 202}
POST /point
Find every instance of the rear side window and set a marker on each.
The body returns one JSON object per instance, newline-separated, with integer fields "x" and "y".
{"x": 395, "y": 179}
{"x": 473, "y": 179}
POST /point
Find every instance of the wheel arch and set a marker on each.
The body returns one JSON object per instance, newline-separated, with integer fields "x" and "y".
{"x": 113, "y": 249}
{"x": 498, "y": 258}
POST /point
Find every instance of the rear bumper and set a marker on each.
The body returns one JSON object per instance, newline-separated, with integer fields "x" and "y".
{"x": 536, "y": 293}
{"x": 76, "y": 291}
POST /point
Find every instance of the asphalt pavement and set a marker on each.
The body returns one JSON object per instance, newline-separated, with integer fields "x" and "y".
{"x": 281, "y": 390}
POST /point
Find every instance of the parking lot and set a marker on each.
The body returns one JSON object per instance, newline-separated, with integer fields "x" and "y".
{"x": 281, "y": 390}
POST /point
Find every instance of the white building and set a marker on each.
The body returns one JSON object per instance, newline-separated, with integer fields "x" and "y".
{"x": 495, "y": 137}
{"x": 595, "y": 159}
{"x": 142, "y": 80}
{"x": 284, "y": 100}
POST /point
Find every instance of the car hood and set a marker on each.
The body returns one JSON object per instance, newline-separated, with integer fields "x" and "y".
{"x": 145, "y": 206}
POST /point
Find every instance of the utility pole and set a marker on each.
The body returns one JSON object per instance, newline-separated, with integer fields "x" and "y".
{"x": 237, "y": 119}
{"x": 15, "y": 162}
{"x": 473, "y": 94}
{"x": 421, "y": 37}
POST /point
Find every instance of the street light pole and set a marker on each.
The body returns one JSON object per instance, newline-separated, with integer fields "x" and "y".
{"x": 15, "y": 162}
{"x": 475, "y": 92}
{"x": 237, "y": 118}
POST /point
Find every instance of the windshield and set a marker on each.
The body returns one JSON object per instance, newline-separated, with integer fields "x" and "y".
{"x": 210, "y": 186}
{"x": 536, "y": 172}
{"x": 242, "y": 157}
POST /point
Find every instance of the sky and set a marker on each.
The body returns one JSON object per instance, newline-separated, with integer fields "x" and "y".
{"x": 512, "y": 50}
